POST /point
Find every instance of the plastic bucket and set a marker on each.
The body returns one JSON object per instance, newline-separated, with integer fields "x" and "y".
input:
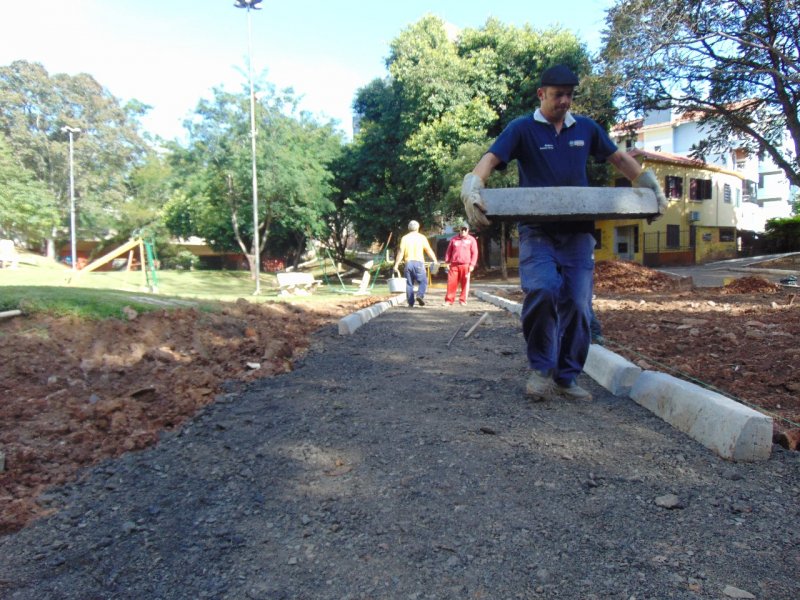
{"x": 397, "y": 284}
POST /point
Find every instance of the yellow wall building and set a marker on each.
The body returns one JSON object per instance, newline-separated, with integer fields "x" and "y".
{"x": 699, "y": 224}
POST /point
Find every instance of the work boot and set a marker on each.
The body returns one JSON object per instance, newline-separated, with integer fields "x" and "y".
{"x": 573, "y": 392}
{"x": 539, "y": 387}
{"x": 420, "y": 301}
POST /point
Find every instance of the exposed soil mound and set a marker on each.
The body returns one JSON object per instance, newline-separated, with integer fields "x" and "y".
{"x": 751, "y": 285}
{"x": 623, "y": 276}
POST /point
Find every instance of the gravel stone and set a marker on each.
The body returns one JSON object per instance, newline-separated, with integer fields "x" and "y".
{"x": 391, "y": 465}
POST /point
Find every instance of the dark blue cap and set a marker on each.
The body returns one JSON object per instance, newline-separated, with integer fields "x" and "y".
{"x": 559, "y": 75}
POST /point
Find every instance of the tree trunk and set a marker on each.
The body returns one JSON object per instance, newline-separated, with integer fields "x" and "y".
{"x": 298, "y": 252}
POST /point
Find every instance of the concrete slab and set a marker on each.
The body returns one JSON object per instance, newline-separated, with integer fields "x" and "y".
{"x": 569, "y": 203}
{"x": 730, "y": 429}
{"x": 610, "y": 370}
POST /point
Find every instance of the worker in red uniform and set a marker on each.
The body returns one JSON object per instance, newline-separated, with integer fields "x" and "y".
{"x": 461, "y": 257}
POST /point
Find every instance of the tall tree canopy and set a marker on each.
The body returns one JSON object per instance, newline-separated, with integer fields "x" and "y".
{"x": 34, "y": 106}
{"x": 448, "y": 94}
{"x": 27, "y": 210}
{"x": 734, "y": 62}
{"x": 215, "y": 198}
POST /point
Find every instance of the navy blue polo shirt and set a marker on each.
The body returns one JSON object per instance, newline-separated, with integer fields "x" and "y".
{"x": 546, "y": 158}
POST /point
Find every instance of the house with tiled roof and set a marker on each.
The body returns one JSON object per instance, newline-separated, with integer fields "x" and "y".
{"x": 765, "y": 193}
{"x": 698, "y": 226}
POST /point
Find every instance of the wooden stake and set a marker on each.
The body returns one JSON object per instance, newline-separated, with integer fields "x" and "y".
{"x": 452, "y": 337}
{"x": 484, "y": 316}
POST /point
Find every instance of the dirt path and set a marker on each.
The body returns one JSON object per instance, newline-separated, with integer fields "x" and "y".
{"x": 389, "y": 465}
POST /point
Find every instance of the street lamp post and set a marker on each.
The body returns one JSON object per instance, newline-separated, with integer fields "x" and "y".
{"x": 253, "y": 4}
{"x": 71, "y": 131}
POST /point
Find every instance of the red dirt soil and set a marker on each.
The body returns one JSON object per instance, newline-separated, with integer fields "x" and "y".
{"x": 75, "y": 392}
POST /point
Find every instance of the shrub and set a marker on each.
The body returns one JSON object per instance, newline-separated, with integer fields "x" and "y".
{"x": 182, "y": 261}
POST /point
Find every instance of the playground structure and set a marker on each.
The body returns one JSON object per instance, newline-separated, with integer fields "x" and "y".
{"x": 147, "y": 259}
{"x": 370, "y": 270}
{"x": 356, "y": 274}
{"x": 336, "y": 275}
{"x": 360, "y": 286}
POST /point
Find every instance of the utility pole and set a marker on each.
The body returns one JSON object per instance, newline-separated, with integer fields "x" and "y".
{"x": 253, "y": 4}
{"x": 71, "y": 131}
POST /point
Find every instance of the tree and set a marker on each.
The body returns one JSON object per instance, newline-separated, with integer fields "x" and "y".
{"x": 734, "y": 63}
{"x": 446, "y": 98}
{"x": 783, "y": 235}
{"x": 34, "y": 106}
{"x": 373, "y": 169}
{"x": 149, "y": 188}
{"x": 29, "y": 211}
{"x": 292, "y": 154}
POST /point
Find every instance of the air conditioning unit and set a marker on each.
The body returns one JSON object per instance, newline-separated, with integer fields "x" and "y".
{"x": 694, "y": 215}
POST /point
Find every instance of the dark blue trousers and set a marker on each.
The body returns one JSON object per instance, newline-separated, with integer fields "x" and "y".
{"x": 415, "y": 274}
{"x": 556, "y": 274}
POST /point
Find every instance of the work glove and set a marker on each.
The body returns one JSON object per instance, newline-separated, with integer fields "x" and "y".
{"x": 473, "y": 203}
{"x": 647, "y": 179}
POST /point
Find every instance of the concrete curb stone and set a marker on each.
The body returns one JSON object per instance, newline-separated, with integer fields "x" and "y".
{"x": 610, "y": 370}
{"x": 730, "y": 429}
{"x": 349, "y": 324}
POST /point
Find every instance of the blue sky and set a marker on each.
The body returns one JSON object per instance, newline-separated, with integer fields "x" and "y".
{"x": 170, "y": 53}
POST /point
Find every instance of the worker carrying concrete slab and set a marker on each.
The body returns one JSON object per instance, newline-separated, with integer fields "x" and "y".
{"x": 556, "y": 259}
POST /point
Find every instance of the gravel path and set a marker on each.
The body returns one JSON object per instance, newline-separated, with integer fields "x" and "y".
{"x": 389, "y": 465}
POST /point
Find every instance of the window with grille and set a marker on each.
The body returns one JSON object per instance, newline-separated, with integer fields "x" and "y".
{"x": 726, "y": 194}
{"x": 699, "y": 189}
{"x": 673, "y": 186}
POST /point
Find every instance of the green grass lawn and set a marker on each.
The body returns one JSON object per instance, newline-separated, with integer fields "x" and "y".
{"x": 42, "y": 285}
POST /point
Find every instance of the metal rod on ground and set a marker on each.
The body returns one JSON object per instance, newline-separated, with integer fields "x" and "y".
{"x": 484, "y": 316}
{"x": 454, "y": 335}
